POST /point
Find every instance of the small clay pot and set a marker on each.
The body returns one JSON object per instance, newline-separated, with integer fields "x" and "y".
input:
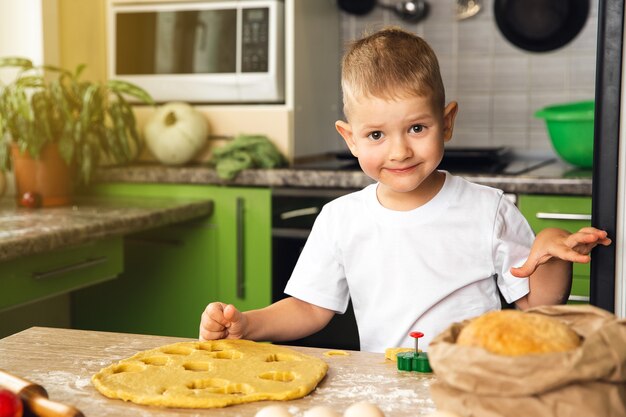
{"x": 47, "y": 176}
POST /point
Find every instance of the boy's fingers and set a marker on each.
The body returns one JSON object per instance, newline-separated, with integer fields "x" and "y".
{"x": 231, "y": 314}
{"x": 210, "y": 323}
{"x": 206, "y": 334}
{"x": 215, "y": 312}
{"x": 531, "y": 264}
{"x": 587, "y": 237}
{"x": 525, "y": 270}
{"x": 518, "y": 272}
{"x": 210, "y": 329}
{"x": 591, "y": 235}
{"x": 593, "y": 230}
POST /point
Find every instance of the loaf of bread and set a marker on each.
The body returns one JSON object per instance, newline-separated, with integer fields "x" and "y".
{"x": 514, "y": 333}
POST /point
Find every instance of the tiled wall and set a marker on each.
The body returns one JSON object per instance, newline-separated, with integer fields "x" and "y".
{"x": 497, "y": 85}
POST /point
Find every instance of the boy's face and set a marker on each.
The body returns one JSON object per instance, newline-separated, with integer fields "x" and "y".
{"x": 398, "y": 142}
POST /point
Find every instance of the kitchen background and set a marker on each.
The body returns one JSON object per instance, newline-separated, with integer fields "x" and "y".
{"x": 499, "y": 88}
{"x": 497, "y": 85}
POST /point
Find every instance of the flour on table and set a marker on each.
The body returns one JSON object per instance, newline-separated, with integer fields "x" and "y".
{"x": 356, "y": 388}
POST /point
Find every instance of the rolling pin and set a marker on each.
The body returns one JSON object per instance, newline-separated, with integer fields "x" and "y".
{"x": 35, "y": 397}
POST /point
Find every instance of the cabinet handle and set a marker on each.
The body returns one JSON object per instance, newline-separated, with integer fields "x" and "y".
{"x": 308, "y": 211}
{"x": 240, "y": 248}
{"x": 563, "y": 216}
{"x": 88, "y": 263}
{"x": 583, "y": 298}
{"x": 291, "y": 233}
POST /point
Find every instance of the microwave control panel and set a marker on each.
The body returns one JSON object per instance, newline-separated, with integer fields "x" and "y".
{"x": 255, "y": 43}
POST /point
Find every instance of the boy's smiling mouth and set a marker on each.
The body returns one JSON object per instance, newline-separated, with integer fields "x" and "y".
{"x": 401, "y": 170}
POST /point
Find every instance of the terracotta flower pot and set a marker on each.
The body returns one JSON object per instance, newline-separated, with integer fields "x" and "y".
{"x": 48, "y": 177}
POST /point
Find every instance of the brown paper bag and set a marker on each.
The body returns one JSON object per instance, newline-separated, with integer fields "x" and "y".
{"x": 587, "y": 381}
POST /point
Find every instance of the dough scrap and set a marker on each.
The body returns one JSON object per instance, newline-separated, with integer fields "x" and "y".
{"x": 391, "y": 353}
{"x": 332, "y": 353}
{"x": 211, "y": 374}
{"x": 514, "y": 333}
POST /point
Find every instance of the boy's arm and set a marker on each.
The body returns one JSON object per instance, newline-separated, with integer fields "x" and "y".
{"x": 549, "y": 265}
{"x": 287, "y": 319}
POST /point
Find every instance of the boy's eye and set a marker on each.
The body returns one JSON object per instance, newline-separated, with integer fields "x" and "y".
{"x": 377, "y": 135}
{"x": 417, "y": 128}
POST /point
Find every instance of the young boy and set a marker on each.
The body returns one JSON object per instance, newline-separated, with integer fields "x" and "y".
{"x": 420, "y": 249}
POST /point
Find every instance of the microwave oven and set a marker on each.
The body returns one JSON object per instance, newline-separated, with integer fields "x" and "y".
{"x": 199, "y": 51}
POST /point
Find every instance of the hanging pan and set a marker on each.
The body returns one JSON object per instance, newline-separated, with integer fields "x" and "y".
{"x": 540, "y": 25}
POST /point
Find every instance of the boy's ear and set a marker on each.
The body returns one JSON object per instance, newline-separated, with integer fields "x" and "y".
{"x": 345, "y": 131}
{"x": 449, "y": 115}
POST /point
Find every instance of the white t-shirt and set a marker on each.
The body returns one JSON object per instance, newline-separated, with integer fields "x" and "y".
{"x": 418, "y": 270}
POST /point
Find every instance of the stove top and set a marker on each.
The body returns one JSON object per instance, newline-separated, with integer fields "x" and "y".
{"x": 488, "y": 160}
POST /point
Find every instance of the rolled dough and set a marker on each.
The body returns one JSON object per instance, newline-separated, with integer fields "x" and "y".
{"x": 211, "y": 374}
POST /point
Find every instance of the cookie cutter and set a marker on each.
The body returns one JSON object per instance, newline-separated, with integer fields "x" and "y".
{"x": 414, "y": 361}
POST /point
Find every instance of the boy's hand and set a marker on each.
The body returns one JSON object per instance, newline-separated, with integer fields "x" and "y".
{"x": 222, "y": 321}
{"x": 557, "y": 243}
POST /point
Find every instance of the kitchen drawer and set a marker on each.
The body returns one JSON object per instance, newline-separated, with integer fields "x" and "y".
{"x": 566, "y": 212}
{"x": 34, "y": 278}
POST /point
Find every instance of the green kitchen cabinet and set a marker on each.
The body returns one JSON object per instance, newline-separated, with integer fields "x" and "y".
{"x": 33, "y": 278}
{"x": 171, "y": 273}
{"x": 35, "y": 289}
{"x": 566, "y": 212}
{"x": 244, "y": 246}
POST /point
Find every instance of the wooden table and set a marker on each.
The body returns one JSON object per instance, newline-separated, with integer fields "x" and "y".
{"x": 63, "y": 361}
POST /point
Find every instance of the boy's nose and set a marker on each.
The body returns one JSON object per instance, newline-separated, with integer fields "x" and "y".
{"x": 399, "y": 149}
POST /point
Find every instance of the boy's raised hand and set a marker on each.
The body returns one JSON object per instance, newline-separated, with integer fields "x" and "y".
{"x": 558, "y": 243}
{"x": 222, "y": 321}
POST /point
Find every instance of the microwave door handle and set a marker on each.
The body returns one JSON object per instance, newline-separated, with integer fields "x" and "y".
{"x": 201, "y": 27}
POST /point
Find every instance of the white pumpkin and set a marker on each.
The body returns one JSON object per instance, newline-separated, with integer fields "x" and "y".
{"x": 176, "y": 132}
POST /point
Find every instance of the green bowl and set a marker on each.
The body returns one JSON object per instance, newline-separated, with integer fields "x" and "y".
{"x": 570, "y": 127}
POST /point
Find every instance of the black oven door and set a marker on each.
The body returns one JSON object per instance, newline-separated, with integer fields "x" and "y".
{"x": 293, "y": 214}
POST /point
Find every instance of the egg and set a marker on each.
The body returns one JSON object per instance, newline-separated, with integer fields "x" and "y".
{"x": 273, "y": 411}
{"x": 363, "y": 409}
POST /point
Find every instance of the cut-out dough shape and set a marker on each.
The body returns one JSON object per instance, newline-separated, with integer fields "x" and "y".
{"x": 211, "y": 374}
{"x": 332, "y": 353}
{"x": 391, "y": 353}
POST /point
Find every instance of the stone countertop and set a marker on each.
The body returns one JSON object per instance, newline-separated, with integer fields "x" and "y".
{"x": 554, "y": 178}
{"x": 30, "y": 231}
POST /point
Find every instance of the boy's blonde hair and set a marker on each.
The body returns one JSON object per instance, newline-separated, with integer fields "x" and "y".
{"x": 391, "y": 63}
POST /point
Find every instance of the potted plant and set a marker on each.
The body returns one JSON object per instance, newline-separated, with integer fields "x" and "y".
{"x": 50, "y": 113}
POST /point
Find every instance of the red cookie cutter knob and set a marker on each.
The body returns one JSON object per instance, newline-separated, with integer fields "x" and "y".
{"x": 416, "y": 336}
